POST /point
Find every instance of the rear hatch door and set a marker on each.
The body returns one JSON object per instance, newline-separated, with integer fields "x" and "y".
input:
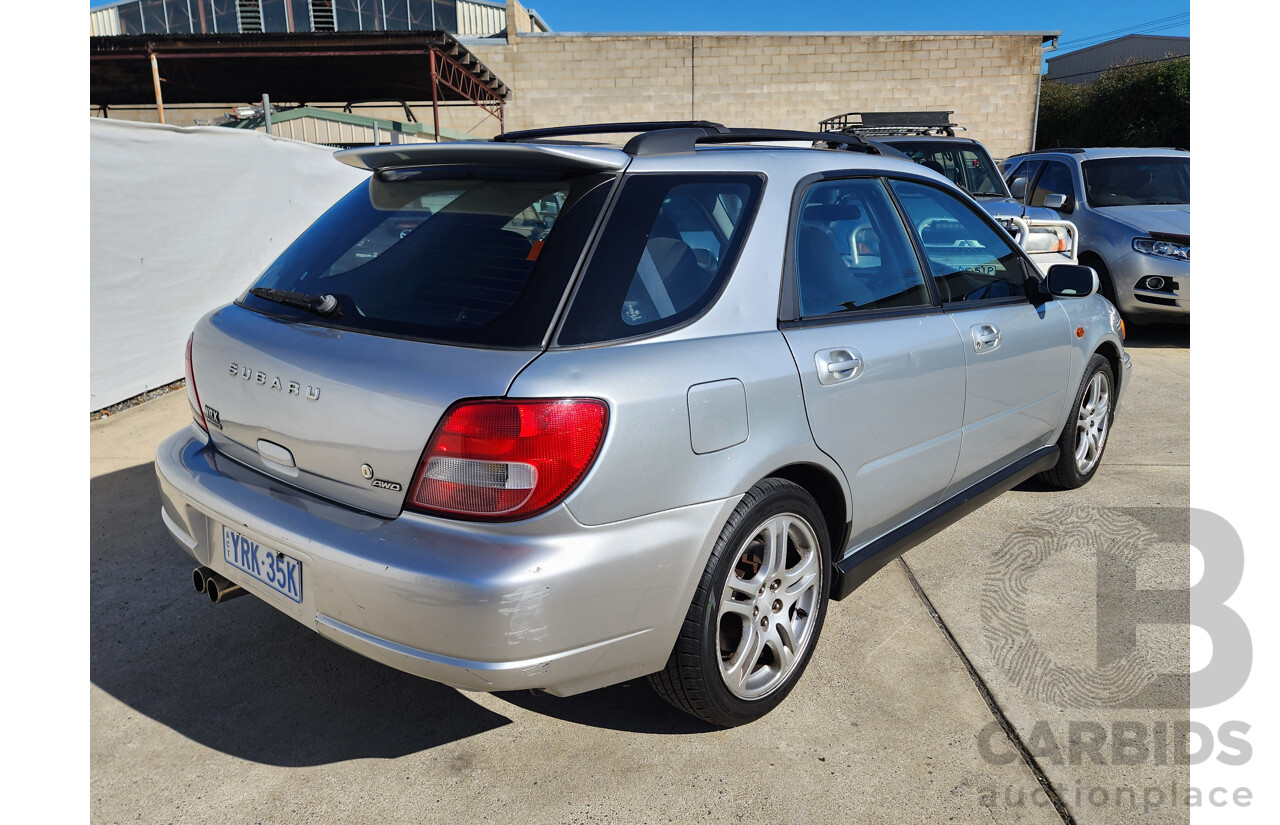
{"x": 341, "y": 414}
{"x": 425, "y": 285}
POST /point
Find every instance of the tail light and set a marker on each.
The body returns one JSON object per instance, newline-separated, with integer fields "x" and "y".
{"x": 500, "y": 459}
{"x": 193, "y": 395}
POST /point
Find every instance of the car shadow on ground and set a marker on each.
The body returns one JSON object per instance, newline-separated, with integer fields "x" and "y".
{"x": 1157, "y": 336}
{"x": 241, "y": 677}
{"x": 631, "y": 706}
{"x": 244, "y": 679}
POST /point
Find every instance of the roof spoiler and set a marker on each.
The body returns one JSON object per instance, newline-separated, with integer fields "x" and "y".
{"x": 469, "y": 153}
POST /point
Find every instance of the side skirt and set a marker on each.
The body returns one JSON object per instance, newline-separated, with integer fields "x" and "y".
{"x": 854, "y": 569}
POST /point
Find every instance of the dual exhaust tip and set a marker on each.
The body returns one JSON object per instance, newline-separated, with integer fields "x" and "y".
{"x": 217, "y": 586}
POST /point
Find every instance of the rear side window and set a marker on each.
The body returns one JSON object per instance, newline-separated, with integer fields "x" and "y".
{"x": 478, "y": 256}
{"x": 969, "y": 259}
{"x": 668, "y": 247}
{"x": 852, "y": 253}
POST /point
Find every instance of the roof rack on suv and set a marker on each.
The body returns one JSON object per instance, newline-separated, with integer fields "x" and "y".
{"x": 891, "y": 123}
{"x": 676, "y": 136}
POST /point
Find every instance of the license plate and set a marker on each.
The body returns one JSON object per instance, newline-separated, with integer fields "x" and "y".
{"x": 276, "y": 570}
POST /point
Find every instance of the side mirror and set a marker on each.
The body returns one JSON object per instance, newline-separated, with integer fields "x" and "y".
{"x": 1071, "y": 281}
{"x": 1018, "y": 188}
{"x": 1062, "y": 203}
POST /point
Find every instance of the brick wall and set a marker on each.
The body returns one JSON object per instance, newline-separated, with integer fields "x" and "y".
{"x": 775, "y": 80}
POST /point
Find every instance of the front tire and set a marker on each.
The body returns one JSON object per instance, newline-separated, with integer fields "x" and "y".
{"x": 757, "y": 612}
{"x": 1084, "y": 438}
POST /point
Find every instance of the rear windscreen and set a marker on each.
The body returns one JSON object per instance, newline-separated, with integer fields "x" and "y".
{"x": 468, "y": 256}
{"x": 965, "y": 164}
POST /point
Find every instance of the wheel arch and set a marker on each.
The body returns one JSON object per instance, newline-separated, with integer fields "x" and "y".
{"x": 1111, "y": 352}
{"x": 828, "y": 492}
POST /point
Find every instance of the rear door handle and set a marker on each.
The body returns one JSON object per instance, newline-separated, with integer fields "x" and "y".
{"x": 837, "y": 365}
{"x": 986, "y": 337}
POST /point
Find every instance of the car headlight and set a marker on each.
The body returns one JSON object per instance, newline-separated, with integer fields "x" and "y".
{"x": 1163, "y": 249}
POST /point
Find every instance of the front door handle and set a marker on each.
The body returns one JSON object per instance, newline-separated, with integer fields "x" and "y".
{"x": 986, "y": 337}
{"x": 837, "y": 365}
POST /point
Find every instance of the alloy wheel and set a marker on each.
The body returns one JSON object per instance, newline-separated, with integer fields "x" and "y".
{"x": 768, "y": 606}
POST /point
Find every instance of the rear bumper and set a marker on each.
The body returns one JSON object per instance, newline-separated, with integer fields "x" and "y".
{"x": 547, "y": 603}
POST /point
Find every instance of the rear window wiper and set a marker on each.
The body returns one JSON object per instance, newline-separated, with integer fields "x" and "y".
{"x": 319, "y": 304}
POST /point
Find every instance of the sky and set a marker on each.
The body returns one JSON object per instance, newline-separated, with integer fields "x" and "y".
{"x": 1082, "y": 22}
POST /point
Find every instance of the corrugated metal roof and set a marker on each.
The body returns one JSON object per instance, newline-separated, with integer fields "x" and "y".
{"x": 385, "y": 125}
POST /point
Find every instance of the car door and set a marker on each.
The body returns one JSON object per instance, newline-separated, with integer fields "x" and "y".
{"x": 881, "y": 366}
{"x": 1017, "y": 353}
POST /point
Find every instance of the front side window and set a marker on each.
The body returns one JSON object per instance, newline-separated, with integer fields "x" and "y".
{"x": 470, "y": 256}
{"x": 668, "y": 246}
{"x": 1137, "y": 181}
{"x": 1054, "y": 180}
{"x": 968, "y": 258}
{"x": 852, "y": 252}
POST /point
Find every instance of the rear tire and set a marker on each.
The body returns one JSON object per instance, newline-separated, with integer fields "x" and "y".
{"x": 1084, "y": 438}
{"x": 757, "y": 612}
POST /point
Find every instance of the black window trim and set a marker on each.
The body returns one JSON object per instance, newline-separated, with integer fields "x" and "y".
{"x": 584, "y": 258}
{"x": 730, "y": 266}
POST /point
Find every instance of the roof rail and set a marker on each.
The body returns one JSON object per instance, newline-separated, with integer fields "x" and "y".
{"x": 674, "y": 137}
{"x": 684, "y": 140}
{"x": 605, "y": 129}
{"x": 891, "y": 123}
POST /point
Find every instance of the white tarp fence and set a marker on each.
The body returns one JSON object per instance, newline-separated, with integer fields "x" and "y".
{"x": 181, "y": 221}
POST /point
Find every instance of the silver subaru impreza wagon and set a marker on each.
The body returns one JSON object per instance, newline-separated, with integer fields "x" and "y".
{"x": 550, "y": 414}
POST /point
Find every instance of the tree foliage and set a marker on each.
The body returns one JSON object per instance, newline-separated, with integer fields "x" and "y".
{"x": 1142, "y": 103}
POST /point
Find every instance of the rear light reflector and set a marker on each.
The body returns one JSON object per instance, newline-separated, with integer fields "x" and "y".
{"x": 500, "y": 459}
{"x": 193, "y": 395}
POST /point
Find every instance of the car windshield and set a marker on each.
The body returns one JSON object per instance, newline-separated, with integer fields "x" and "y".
{"x": 1137, "y": 181}
{"x": 968, "y": 166}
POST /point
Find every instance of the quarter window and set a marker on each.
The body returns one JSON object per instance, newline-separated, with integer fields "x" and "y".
{"x": 969, "y": 260}
{"x": 852, "y": 252}
{"x": 667, "y": 248}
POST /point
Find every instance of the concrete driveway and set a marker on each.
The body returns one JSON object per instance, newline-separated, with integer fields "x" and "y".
{"x": 917, "y": 707}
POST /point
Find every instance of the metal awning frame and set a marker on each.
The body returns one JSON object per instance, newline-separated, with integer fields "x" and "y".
{"x": 454, "y": 73}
